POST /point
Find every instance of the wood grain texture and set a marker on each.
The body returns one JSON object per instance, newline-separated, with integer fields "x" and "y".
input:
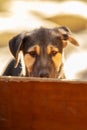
{"x": 42, "y": 105}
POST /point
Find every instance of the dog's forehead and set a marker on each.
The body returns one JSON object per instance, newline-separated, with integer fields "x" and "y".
{"x": 45, "y": 36}
{"x": 45, "y": 33}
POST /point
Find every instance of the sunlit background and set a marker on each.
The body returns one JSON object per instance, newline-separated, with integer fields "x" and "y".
{"x": 20, "y": 15}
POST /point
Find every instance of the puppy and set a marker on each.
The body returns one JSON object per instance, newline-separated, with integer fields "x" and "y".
{"x": 39, "y": 53}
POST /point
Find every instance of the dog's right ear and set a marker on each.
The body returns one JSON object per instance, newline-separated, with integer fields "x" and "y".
{"x": 15, "y": 45}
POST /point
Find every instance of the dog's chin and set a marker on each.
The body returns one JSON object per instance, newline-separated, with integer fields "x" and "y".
{"x": 53, "y": 74}
{"x": 37, "y": 76}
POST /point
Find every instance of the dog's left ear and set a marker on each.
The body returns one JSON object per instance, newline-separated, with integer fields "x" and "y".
{"x": 66, "y": 35}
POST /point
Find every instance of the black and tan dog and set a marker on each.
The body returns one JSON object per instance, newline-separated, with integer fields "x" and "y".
{"x": 39, "y": 53}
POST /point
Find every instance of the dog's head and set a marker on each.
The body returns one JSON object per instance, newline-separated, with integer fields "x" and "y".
{"x": 40, "y": 51}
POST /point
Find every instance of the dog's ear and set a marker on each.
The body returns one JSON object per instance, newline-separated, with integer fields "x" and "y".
{"x": 66, "y": 35}
{"x": 15, "y": 44}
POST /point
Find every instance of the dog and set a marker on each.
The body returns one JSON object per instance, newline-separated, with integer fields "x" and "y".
{"x": 39, "y": 53}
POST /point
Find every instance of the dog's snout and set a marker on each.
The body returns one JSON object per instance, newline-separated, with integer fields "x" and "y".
{"x": 44, "y": 74}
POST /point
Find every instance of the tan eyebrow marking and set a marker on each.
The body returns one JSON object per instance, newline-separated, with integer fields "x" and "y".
{"x": 35, "y": 48}
{"x": 51, "y": 48}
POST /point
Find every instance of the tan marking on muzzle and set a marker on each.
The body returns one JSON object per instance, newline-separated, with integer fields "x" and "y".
{"x": 29, "y": 60}
{"x": 57, "y": 59}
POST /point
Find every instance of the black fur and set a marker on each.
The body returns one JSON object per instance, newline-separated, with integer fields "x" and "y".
{"x": 42, "y": 37}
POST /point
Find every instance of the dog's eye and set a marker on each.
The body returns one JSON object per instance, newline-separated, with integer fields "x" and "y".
{"x": 53, "y": 53}
{"x": 33, "y": 53}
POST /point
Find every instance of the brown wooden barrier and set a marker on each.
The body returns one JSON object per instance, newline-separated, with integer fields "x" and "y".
{"x": 42, "y": 104}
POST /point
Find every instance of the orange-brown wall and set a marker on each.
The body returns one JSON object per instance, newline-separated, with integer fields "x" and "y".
{"x": 39, "y": 104}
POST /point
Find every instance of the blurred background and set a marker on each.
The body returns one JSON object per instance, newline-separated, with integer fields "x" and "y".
{"x": 21, "y": 15}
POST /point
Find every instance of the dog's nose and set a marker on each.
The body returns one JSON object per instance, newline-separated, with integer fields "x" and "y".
{"x": 44, "y": 74}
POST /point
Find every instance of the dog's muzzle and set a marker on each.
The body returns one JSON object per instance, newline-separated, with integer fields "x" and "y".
{"x": 44, "y": 74}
